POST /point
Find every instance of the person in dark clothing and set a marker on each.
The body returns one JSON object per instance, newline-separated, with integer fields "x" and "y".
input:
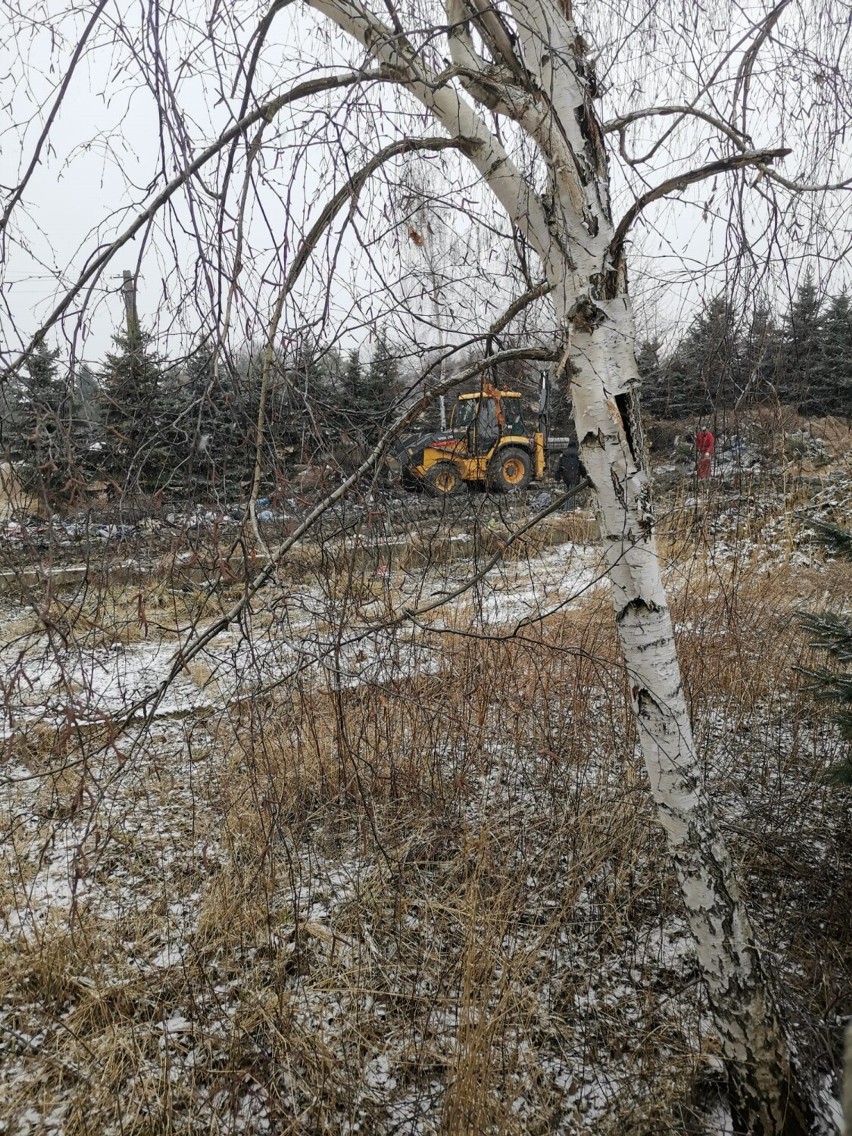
{"x": 571, "y": 471}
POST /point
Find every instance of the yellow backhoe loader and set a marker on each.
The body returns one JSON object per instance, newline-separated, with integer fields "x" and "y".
{"x": 486, "y": 442}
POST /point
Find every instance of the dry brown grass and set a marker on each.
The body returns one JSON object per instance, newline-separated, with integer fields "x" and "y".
{"x": 435, "y": 904}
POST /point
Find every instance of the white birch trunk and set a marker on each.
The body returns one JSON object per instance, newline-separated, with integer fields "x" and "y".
{"x": 571, "y": 229}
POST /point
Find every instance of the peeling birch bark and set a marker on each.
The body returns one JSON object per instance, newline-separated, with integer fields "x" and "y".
{"x": 540, "y": 79}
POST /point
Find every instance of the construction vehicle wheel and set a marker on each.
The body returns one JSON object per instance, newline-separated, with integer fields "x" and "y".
{"x": 410, "y": 482}
{"x": 510, "y": 470}
{"x": 443, "y": 480}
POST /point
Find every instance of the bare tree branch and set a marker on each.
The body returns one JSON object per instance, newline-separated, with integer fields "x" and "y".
{"x": 682, "y": 110}
{"x": 54, "y": 111}
{"x": 803, "y": 187}
{"x": 675, "y": 184}
{"x": 100, "y": 261}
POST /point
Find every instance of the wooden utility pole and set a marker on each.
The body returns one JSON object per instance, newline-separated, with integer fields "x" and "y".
{"x": 128, "y": 289}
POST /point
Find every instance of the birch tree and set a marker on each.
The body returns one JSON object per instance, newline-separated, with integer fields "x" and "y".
{"x": 528, "y": 63}
{"x": 512, "y": 87}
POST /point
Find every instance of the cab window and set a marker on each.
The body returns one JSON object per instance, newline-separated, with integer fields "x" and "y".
{"x": 513, "y": 412}
{"x": 487, "y": 416}
{"x": 464, "y": 412}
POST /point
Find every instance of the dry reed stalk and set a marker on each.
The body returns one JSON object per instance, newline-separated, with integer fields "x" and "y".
{"x": 434, "y": 903}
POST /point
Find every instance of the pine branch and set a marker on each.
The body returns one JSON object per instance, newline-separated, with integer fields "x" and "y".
{"x": 841, "y": 774}
{"x": 831, "y": 633}
{"x": 833, "y": 537}
{"x": 827, "y": 685}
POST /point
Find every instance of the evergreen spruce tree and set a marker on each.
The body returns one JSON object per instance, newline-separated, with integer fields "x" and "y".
{"x": 286, "y": 411}
{"x": 314, "y": 410}
{"x": 803, "y": 359}
{"x": 353, "y": 379}
{"x": 344, "y": 395}
{"x": 832, "y": 392}
{"x": 86, "y": 414}
{"x": 760, "y": 350}
{"x": 655, "y": 399}
{"x": 379, "y": 387}
{"x": 339, "y": 390}
{"x": 170, "y": 449}
{"x": 704, "y": 372}
{"x": 832, "y": 633}
{"x": 130, "y": 385}
{"x": 215, "y": 419}
{"x": 42, "y": 421}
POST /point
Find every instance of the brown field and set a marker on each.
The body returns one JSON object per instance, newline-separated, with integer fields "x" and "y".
{"x": 428, "y": 898}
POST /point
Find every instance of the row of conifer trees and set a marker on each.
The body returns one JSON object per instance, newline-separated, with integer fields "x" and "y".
{"x": 142, "y": 424}
{"x": 734, "y": 354}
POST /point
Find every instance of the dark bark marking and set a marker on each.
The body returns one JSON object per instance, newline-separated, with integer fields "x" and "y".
{"x": 638, "y": 605}
{"x": 618, "y": 489}
{"x": 585, "y": 315}
{"x": 593, "y": 438}
{"x": 654, "y": 644}
{"x": 646, "y": 704}
{"x": 627, "y": 407}
{"x": 622, "y": 402}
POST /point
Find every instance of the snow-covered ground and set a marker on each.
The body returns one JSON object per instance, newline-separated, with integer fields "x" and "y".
{"x": 395, "y": 877}
{"x": 47, "y": 680}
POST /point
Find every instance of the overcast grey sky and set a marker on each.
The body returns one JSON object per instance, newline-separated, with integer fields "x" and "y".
{"x": 104, "y": 162}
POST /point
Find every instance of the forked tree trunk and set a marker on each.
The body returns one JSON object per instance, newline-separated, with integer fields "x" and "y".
{"x": 595, "y": 313}
{"x": 764, "y": 1092}
{"x": 537, "y": 76}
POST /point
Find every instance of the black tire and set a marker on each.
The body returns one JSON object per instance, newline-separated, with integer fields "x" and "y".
{"x": 510, "y": 470}
{"x": 410, "y": 483}
{"x": 443, "y": 480}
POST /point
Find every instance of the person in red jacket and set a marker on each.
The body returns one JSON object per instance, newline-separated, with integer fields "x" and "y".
{"x": 705, "y": 444}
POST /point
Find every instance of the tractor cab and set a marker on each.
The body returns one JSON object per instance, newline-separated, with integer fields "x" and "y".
{"x": 485, "y": 417}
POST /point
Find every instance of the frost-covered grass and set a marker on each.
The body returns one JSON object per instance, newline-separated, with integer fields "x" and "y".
{"x": 407, "y": 880}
